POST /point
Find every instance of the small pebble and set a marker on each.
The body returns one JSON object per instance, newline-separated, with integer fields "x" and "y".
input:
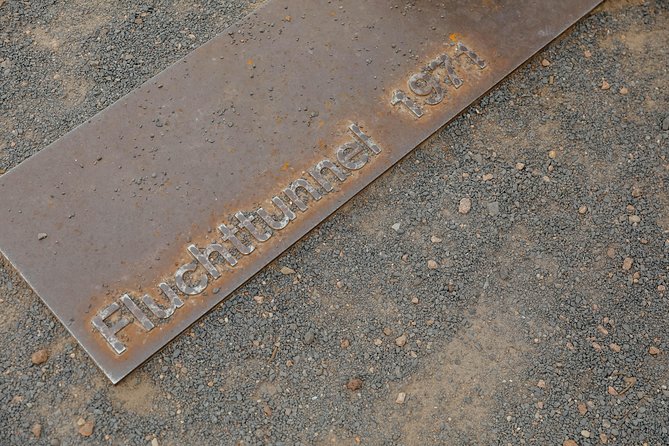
{"x": 493, "y": 208}
{"x": 465, "y": 206}
{"x": 87, "y": 429}
{"x": 39, "y": 357}
{"x": 401, "y": 341}
{"x": 285, "y": 270}
{"x": 627, "y": 263}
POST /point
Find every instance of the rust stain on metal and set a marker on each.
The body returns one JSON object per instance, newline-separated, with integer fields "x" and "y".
{"x": 163, "y": 204}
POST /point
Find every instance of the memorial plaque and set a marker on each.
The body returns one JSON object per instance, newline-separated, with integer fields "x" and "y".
{"x": 139, "y": 221}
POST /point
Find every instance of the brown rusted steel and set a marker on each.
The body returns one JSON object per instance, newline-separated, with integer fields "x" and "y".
{"x": 128, "y": 200}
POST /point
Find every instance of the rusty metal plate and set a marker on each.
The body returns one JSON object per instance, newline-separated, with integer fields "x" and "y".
{"x": 139, "y": 221}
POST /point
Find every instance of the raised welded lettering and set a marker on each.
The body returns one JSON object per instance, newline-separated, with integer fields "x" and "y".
{"x": 424, "y": 84}
{"x": 346, "y": 153}
{"x": 350, "y": 156}
{"x": 109, "y": 332}
{"x": 316, "y": 173}
{"x": 157, "y": 310}
{"x": 184, "y": 287}
{"x": 137, "y": 312}
{"x": 246, "y": 222}
{"x": 291, "y": 192}
{"x": 229, "y": 234}
{"x": 366, "y": 139}
{"x": 445, "y": 60}
{"x": 400, "y": 97}
{"x": 272, "y": 222}
{"x": 204, "y": 257}
{"x": 463, "y": 49}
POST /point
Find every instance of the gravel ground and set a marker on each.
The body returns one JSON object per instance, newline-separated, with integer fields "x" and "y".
{"x": 522, "y": 300}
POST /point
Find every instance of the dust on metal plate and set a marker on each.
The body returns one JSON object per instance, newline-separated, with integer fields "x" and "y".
{"x": 139, "y": 221}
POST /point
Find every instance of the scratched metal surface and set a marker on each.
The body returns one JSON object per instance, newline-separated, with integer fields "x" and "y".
{"x": 227, "y": 128}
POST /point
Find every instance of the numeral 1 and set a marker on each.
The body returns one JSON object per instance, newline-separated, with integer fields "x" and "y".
{"x": 400, "y": 97}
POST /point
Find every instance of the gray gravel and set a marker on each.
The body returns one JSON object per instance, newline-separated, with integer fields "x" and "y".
{"x": 537, "y": 317}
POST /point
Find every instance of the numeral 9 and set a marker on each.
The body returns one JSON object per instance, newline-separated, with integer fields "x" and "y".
{"x": 424, "y": 84}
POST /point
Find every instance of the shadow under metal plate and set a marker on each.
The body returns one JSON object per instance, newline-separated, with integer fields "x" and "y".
{"x": 139, "y": 221}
